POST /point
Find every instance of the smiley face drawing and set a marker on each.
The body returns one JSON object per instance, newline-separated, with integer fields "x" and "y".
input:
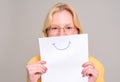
{"x": 61, "y": 48}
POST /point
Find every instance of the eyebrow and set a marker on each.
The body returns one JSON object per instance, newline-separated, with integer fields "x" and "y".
{"x": 64, "y": 26}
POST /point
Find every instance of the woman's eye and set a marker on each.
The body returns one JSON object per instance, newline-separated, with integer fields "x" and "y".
{"x": 54, "y": 28}
{"x": 69, "y": 28}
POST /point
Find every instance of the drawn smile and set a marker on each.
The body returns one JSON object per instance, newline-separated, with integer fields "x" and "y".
{"x": 58, "y": 48}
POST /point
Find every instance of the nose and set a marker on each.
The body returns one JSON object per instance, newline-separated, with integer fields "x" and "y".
{"x": 62, "y": 32}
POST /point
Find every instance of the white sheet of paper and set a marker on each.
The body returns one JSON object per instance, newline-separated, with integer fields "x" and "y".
{"x": 64, "y": 56}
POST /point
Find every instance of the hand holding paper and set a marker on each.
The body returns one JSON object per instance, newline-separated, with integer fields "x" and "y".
{"x": 64, "y": 56}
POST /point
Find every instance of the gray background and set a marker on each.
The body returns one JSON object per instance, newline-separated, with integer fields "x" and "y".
{"x": 20, "y": 27}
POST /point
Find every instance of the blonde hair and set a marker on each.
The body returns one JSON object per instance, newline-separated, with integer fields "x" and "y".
{"x": 61, "y": 7}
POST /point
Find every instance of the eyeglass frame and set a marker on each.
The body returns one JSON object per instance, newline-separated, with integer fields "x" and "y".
{"x": 58, "y": 28}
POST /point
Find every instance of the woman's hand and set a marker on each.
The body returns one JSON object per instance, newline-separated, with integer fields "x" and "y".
{"x": 35, "y": 70}
{"x": 90, "y": 71}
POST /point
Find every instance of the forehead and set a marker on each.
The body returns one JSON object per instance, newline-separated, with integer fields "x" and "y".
{"x": 62, "y": 17}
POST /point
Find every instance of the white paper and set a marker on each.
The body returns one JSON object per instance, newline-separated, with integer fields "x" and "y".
{"x": 64, "y": 56}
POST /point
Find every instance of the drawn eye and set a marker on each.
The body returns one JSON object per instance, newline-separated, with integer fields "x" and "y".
{"x": 58, "y": 48}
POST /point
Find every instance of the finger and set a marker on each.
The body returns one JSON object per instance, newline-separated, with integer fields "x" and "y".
{"x": 40, "y": 62}
{"x": 36, "y": 67}
{"x": 37, "y": 70}
{"x": 85, "y": 72}
{"x": 92, "y": 75}
{"x": 89, "y": 67}
{"x": 91, "y": 72}
{"x": 36, "y": 64}
{"x": 87, "y": 64}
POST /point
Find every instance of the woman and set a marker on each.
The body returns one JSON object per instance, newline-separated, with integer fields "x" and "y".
{"x": 62, "y": 20}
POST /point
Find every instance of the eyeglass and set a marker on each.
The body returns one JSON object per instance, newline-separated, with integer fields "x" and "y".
{"x": 56, "y": 29}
